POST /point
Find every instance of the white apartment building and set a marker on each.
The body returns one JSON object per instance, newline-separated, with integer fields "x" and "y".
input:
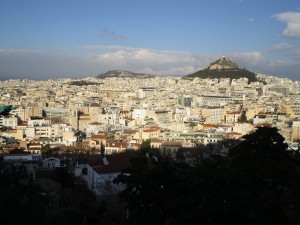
{"x": 109, "y": 118}
{"x": 295, "y": 131}
{"x": 37, "y": 132}
{"x": 242, "y": 128}
{"x": 295, "y": 106}
{"x": 9, "y": 122}
{"x": 37, "y": 121}
{"x": 181, "y": 113}
{"x": 94, "y": 128}
{"x": 163, "y": 116}
{"x": 213, "y": 115}
{"x": 213, "y": 100}
{"x": 185, "y": 101}
{"x": 57, "y": 113}
{"x": 139, "y": 114}
{"x": 69, "y": 138}
{"x": 262, "y": 119}
{"x": 146, "y": 92}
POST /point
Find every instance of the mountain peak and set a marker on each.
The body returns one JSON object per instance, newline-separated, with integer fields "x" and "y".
{"x": 223, "y": 68}
{"x": 222, "y": 63}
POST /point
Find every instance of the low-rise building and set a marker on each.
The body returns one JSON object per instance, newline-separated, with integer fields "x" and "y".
{"x": 102, "y": 171}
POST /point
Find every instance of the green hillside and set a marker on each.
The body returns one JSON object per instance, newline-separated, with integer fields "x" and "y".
{"x": 223, "y": 68}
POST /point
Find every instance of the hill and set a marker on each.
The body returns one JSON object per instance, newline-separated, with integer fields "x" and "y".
{"x": 123, "y": 73}
{"x": 82, "y": 83}
{"x": 223, "y": 68}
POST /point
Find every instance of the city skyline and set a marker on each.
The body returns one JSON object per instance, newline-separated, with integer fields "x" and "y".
{"x": 52, "y": 39}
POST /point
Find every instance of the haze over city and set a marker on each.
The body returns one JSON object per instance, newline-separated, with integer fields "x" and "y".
{"x": 72, "y": 38}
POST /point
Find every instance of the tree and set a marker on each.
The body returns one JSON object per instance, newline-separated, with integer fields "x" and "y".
{"x": 20, "y": 198}
{"x": 6, "y": 110}
{"x": 270, "y": 180}
{"x": 193, "y": 125}
{"x": 243, "y": 117}
{"x": 152, "y": 187}
{"x": 256, "y": 183}
{"x": 145, "y": 145}
{"x": 46, "y": 148}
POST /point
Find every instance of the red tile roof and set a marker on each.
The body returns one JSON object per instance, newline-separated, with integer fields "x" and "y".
{"x": 211, "y": 125}
{"x": 129, "y": 119}
{"x": 124, "y": 112}
{"x": 264, "y": 125}
{"x": 150, "y": 130}
{"x": 116, "y": 144}
{"x": 96, "y": 123}
{"x": 130, "y": 131}
{"x": 94, "y": 105}
{"x": 234, "y": 113}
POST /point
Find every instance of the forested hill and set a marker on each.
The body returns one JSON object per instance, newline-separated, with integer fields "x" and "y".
{"x": 123, "y": 73}
{"x": 223, "y": 68}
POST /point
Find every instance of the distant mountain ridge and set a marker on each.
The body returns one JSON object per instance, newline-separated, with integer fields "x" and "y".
{"x": 223, "y": 68}
{"x": 124, "y": 73}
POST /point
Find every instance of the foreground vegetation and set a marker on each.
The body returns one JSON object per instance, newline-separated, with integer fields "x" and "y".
{"x": 258, "y": 182}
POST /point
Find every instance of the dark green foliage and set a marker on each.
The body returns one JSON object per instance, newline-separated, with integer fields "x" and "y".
{"x": 145, "y": 145}
{"x": 243, "y": 117}
{"x": 150, "y": 189}
{"x": 73, "y": 216}
{"x": 6, "y": 110}
{"x": 46, "y": 149}
{"x": 33, "y": 211}
{"x": 123, "y": 73}
{"x": 82, "y": 83}
{"x": 223, "y": 73}
{"x": 77, "y": 205}
{"x": 256, "y": 183}
{"x": 62, "y": 176}
{"x": 21, "y": 201}
{"x": 24, "y": 202}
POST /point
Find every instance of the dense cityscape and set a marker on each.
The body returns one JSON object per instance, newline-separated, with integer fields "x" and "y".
{"x": 82, "y": 134}
{"x": 149, "y": 112}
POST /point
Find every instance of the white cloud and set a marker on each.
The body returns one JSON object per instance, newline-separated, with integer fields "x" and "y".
{"x": 96, "y": 59}
{"x": 248, "y": 59}
{"x": 141, "y": 59}
{"x": 281, "y": 46}
{"x": 292, "y": 19}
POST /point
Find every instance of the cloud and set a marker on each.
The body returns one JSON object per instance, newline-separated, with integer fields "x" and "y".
{"x": 142, "y": 59}
{"x": 106, "y": 33}
{"x": 281, "y": 46}
{"x": 92, "y": 60}
{"x": 248, "y": 59}
{"x": 292, "y": 19}
{"x": 287, "y": 52}
{"x": 251, "y": 20}
{"x": 9, "y": 51}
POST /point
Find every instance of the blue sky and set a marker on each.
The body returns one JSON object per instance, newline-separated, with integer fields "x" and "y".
{"x": 43, "y": 39}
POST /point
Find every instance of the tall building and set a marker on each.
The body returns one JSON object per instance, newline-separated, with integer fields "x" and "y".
{"x": 146, "y": 92}
{"x": 295, "y": 131}
{"x": 185, "y": 101}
